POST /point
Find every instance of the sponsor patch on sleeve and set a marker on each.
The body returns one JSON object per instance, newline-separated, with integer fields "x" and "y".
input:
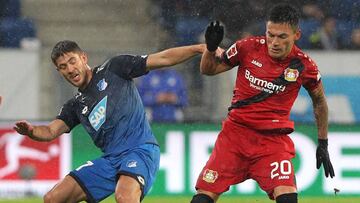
{"x": 318, "y": 77}
{"x": 232, "y": 51}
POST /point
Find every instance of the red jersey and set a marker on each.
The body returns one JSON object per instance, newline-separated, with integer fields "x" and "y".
{"x": 256, "y": 71}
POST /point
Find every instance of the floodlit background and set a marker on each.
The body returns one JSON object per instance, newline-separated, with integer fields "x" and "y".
{"x": 32, "y": 89}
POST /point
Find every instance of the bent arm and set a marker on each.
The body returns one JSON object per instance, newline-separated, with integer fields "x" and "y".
{"x": 211, "y": 63}
{"x": 173, "y": 56}
{"x": 42, "y": 133}
{"x": 320, "y": 109}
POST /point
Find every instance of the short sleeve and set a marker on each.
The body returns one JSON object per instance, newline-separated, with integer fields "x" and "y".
{"x": 68, "y": 115}
{"x": 128, "y": 66}
{"x": 311, "y": 76}
{"x": 237, "y": 51}
{"x": 230, "y": 56}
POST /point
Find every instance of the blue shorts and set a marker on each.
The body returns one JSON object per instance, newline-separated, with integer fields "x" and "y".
{"x": 98, "y": 177}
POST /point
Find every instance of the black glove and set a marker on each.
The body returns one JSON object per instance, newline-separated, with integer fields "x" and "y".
{"x": 322, "y": 157}
{"x": 214, "y": 35}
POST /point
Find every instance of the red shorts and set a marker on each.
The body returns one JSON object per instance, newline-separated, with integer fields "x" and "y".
{"x": 241, "y": 153}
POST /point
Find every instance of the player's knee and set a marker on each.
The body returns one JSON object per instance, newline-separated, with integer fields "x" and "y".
{"x": 202, "y": 198}
{"x": 125, "y": 198}
{"x": 287, "y": 198}
{"x": 50, "y": 197}
{"x": 47, "y": 198}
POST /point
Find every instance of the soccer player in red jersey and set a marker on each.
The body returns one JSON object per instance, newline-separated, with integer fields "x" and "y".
{"x": 254, "y": 142}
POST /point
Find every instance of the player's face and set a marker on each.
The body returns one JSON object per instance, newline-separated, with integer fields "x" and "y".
{"x": 280, "y": 38}
{"x": 73, "y": 67}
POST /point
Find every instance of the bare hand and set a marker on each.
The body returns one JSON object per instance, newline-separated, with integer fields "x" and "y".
{"x": 24, "y": 128}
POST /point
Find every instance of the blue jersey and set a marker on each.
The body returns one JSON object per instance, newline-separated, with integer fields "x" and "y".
{"x": 110, "y": 107}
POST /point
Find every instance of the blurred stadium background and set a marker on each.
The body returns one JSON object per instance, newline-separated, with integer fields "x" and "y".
{"x": 32, "y": 89}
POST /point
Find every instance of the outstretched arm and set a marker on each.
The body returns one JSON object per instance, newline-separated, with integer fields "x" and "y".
{"x": 211, "y": 63}
{"x": 173, "y": 56}
{"x": 43, "y": 133}
{"x": 211, "y": 59}
{"x": 321, "y": 116}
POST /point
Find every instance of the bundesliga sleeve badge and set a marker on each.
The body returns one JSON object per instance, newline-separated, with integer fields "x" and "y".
{"x": 291, "y": 75}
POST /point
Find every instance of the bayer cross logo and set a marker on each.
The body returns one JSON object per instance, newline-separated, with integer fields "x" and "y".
{"x": 291, "y": 75}
{"x": 210, "y": 176}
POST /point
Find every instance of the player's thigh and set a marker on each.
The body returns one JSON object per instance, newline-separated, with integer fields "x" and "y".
{"x": 280, "y": 190}
{"x": 275, "y": 174}
{"x": 141, "y": 164}
{"x": 67, "y": 190}
{"x": 224, "y": 168}
{"x": 128, "y": 189}
{"x": 97, "y": 177}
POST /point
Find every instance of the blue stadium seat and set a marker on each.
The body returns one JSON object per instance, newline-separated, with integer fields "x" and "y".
{"x": 189, "y": 29}
{"x": 12, "y": 30}
{"x": 307, "y": 27}
{"x": 344, "y": 29}
{"x": 10, "y": 8}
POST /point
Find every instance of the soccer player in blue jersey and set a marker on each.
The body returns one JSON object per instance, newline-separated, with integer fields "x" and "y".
{"x": 109, "y": 107}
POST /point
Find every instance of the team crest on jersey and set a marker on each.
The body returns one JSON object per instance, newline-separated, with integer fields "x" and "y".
{"x": 232, "y": 51}
{"x": 97, "y": 116}
{"x": 291, "y": 75}
{"x": 210, "y": 176}
{"x": 102, "y": 84}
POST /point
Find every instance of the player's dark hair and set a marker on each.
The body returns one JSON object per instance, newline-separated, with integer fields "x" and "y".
{"x": 64, "y": 47}
{"x": 284, "y": 13}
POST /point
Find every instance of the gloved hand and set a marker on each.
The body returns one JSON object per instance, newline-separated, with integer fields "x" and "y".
{"x": 322, "y": 157}
{"x": 214, "y": 35}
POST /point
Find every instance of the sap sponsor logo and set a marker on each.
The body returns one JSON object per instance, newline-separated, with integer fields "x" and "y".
{"x": 256, "y": 63}
{"x": 102, "y": 84}
{"x": 97, "y": 116}
{"x": 232, "y": 51}
{"x": 263, "y": 85}
{"x": 210, "y": 176}
{"x": 131, "y": 164}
